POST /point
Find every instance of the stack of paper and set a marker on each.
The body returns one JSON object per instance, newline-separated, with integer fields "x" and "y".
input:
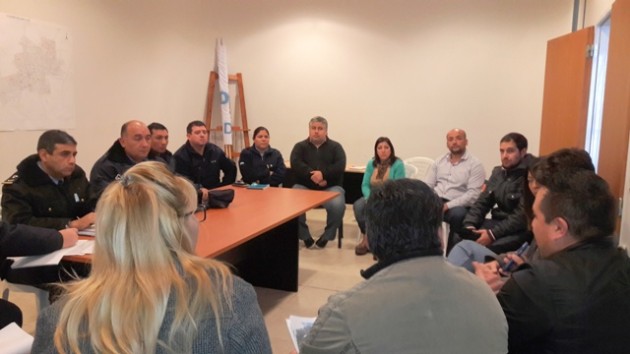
{"x": 299, "y": 328}
{"x": 90, "y": 231}
{"x": 82, "y": 247}
{"x": 13, "y": 340}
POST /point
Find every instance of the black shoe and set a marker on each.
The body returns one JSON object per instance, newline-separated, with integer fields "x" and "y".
{"x": 321, "y": 242}
{"x": 308, "y": 243}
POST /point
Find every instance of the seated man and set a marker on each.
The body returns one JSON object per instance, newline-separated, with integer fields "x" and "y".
{"x": 22, "y": 240}
{"x": 318, "y": 163}
{"x": 133, "y": 146}
{"x": 49, "y": 189}
{"x": 412, "y": 301}
{"x": 466, "y": 252}
{"x": 457, "y": 178}
{"x": 507, "y": 230}
{"x": 574, "y": 299}
{"x": 202, "y": 162}
{"x": 159, "y": 144}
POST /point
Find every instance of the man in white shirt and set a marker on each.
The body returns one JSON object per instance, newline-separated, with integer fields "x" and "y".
{"x": 457, "y": 178}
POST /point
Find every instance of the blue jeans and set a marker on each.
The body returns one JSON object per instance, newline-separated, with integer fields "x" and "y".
{"x": 359, "y": 213}
{"x": 454, "y": 218}
{"x": 464, "y": 253}
{"x": 335, "y": 209}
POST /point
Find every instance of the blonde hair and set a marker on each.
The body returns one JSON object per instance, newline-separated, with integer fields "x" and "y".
{"x": 142, "y": 253}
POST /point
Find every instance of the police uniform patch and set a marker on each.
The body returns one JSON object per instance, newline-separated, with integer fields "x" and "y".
{"x": 9, "y": 181}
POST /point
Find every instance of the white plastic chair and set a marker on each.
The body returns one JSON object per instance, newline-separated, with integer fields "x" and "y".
{"x": 41, "y": 296}
{"x": 421, "y": 163}
{"x": 410, "y": 170}
{"x": 446, "y": 228}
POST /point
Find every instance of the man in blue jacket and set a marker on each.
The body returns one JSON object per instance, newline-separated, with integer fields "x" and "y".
{"x": 202, "y": 162}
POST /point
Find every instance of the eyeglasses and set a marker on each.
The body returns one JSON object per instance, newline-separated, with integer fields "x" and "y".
{"x": 200, "y": 213}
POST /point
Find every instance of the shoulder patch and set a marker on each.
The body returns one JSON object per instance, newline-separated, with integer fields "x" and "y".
{"x": 11, "y": 180}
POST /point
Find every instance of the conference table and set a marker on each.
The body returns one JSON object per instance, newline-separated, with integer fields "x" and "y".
{"x": 256, "y": 234}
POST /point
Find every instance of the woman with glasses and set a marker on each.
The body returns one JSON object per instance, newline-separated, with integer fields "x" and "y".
{"x": 261, "y": 163}
{"x": 148, "y": 292}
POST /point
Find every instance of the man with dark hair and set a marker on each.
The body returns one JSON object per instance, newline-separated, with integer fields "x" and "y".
{"x": 23, "y": 240}
{"x": 507, "y": 230}
{"x": 159, "y": 144}
{"x": 575, "y": 298}
{"x": 318, "y": 163}
{"x": 49, "y": 189}
{"x": 412, "y": 301}
{"x": 202, "y": 162}
{"x": 133, "y": 146}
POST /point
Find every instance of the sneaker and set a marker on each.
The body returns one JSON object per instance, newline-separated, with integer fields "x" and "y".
{"x": 309, "y": 242}
{"x": 321, "y": 242}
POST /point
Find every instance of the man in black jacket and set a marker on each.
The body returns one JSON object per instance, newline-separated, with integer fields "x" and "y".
{"x": 575, "y": 298}
{"x": 23, "y": 240}
{"x": 202, "y": 162}
{"x": 133, "y": 146}
{"x": 507, "y": 230}
{"x": 49, "y": 189}
{"x": 318, "y": 163}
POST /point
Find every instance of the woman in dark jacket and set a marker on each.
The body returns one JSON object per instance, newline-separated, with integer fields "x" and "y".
{"x": 261, "y": 163}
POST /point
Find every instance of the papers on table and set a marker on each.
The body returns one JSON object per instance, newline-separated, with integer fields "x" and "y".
{"x": 299, "y": 328}
{"x": 82, "y": 247}
{"x": 356, "y": 168}
{"x": 90, "y": 231}
{"x": 13, "y": 340}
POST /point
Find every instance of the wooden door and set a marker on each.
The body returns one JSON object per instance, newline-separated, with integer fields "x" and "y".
{"x": 616, "y": 115}
{"x": 566, "y": 91}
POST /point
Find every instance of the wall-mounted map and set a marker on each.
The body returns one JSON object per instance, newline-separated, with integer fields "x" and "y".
{"x": 36, "y": 75}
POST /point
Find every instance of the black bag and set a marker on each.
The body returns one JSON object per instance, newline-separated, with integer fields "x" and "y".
{"x": 219, "y": 199}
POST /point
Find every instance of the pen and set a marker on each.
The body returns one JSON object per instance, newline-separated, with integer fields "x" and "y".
{"x": 519, "y": 252}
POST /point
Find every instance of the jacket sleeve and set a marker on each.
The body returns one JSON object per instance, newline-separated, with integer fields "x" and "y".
{"x": 101, "y": 176}
{"x": 367, "y": 175}
{"x": 524, "y": 310}
{"x": 516, "y": 222}
{"x": 482, "y": 206}
{"x": 245, "y": 164}
{"x": 229, "y": 170}
{"x": 24, "y": 240}
{"x": 17, "y": 209}
{"x": 300, "y": 168}
{"x": 329, "y": 334}
{"x": 279, "y": 170}
{"x": 473, "y": 185}
{"x": 334, "y": 171}
{"x": 398, "y": 169}
{"x": 247, "y": 332}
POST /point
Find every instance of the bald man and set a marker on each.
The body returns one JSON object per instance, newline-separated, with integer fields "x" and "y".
{"x": 133, "y": 146}
{"x": 457, "y": 178}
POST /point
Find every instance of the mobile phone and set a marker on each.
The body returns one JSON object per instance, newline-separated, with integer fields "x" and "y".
{"x": 519, "y": 252}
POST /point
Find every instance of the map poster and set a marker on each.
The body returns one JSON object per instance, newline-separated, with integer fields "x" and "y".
{"x": 36, "y": 75}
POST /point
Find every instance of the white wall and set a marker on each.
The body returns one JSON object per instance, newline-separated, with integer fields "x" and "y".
{"x": 596, "y": 10}
{"x": 410, "y": 70}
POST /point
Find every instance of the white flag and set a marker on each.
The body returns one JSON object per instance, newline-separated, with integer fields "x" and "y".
{"x": 224, "y": 89}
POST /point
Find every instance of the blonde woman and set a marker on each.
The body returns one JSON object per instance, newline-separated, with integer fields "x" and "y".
{"x": 148, "y": 292}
